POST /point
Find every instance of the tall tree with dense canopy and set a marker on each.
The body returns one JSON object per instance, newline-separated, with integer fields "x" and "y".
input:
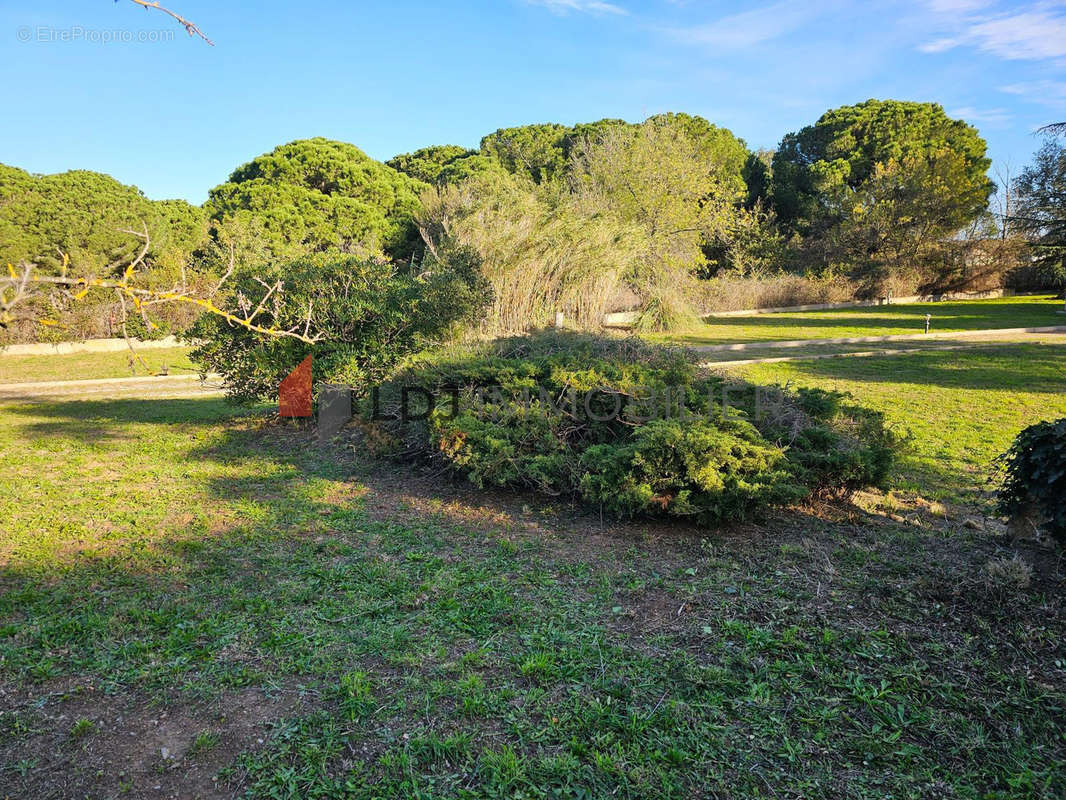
{"x": 83, "y": 214}
{"x": 723, "y": 153}
{"x": 617, "y": 209}
{"x": 897, "y": 220}
{"x": 426, "y": 163}
{"x": 80, "y": 221}
{"x": 543, "y": 151}
{"x": 816, "y": 169}
{"x": 534, "y": 150}
{"x": 675, "y": 179}
{"x": 470, "y": 166}
{"x": 317, "y": 195}
{"x": 590, "y": 132}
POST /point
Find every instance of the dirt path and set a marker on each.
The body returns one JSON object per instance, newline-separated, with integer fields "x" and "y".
{"x": 190, "y": 386}
{"x": 769, "y": 352}
{"x": 161, "y": 387}
{"x": 896, "y": 337}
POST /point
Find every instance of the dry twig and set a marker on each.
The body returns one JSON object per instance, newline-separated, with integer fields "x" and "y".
{"x": 191, "y": 28}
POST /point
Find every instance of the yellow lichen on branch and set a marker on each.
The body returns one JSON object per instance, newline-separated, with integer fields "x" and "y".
{"x": 19, "y": 287}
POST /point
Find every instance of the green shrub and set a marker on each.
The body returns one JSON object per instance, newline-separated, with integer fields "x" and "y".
{"x": 371, "y": 313}
{"x": 711, "y": 471}
{"x": 630, "y": 427}
{"x": 849, "y": 450}
{"x": 1034, "y": 487}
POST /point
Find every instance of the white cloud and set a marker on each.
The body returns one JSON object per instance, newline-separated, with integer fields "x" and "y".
{"x": 1046, "y": 92}
{"x": 749, "y": 28}
{"x": 957, "y": 6}
{"x": 989, "y": 116}
{"x": 1036, "y": 34}
{"x": 586, "y": 6}
{"x": 939, "y": 45}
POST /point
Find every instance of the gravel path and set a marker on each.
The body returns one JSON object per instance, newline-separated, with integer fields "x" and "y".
{"x": 191, "y": 386}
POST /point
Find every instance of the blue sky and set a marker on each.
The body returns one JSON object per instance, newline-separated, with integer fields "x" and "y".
{"x": 175, "y": 116}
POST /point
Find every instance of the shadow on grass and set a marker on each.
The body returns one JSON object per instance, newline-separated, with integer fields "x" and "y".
{"x": 100, "y": 420}
{"x": 381, "y": 596}
{"x": 282, "y": 558}
{"x": 269, "y": 462}
{"x": 962, "y": 314}
{"x": 895, "y": 319}
{"x": 963, "y": 407}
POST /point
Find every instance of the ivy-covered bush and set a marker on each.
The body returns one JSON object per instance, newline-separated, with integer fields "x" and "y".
{"x": 630, "y": 427}
{"x": 1034, "y": 487}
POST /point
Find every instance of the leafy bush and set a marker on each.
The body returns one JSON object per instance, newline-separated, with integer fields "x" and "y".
{"x": 631, "y": 427}
{"x": 372, "y": 314}
{"x": 1034, "y": 487}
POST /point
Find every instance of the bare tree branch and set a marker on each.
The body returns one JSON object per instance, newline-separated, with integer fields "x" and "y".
{"x": 20, "y": 285}
{"x": 191, "y": 28}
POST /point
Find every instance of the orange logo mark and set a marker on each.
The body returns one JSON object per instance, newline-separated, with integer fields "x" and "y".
{"x": 294, "y": 393}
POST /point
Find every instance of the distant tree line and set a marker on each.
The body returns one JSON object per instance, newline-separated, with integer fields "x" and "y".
{"x": 578, "y": 220}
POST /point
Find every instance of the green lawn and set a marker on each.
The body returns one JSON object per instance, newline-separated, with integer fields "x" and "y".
{"x": 1008, "y": 312}
{"x": 197, "y": 601}
{"x": 962, "y": 408}
{"x": 85, "y": 366}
